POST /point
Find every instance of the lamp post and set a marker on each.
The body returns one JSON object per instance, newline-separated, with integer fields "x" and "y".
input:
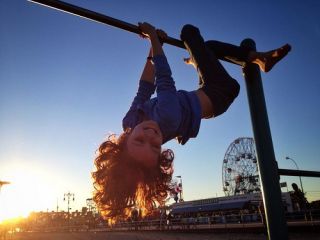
{"x": 90, "y": 204}
{"x": 3, "y": 183}
{"x": 180, "y": 188}
{"x": 288, "y": 158}
{"x": 68, "y": 196}
{"x": 90, "y": 214}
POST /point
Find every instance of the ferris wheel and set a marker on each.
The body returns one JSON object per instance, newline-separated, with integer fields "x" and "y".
{"x": 239, "y": 169}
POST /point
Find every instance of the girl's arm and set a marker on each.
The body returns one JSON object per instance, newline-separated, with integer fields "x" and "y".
{"x": 147, "y": 79}
{"x": 167, "y": 100}
{"x": 150, "y": 32}
{"x": 146, "y": 84}
{"x": 145, "y": 90}
{"x": 164, "y": 82}
{"x": 148, "y": 70}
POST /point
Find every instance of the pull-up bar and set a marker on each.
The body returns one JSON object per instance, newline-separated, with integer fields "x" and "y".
{"x": 269, "y": 174}
{"x": 98, "y": 17}
{"x": 301, "y": 173}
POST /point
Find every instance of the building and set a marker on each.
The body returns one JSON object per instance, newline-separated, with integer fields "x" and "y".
{"x": 228, "y": 203}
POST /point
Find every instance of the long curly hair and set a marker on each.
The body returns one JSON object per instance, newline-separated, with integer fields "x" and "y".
{"x": 122, "y": 184}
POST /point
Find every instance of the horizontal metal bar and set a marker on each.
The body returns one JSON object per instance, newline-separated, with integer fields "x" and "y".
{"x": 302, "y": 173}
{"x": 91, "y": 15}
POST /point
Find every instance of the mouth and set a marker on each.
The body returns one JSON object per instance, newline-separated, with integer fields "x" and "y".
{"x": 153, "y": 127}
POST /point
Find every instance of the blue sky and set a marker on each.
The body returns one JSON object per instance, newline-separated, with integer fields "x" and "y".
{"x": 67, "y": 82}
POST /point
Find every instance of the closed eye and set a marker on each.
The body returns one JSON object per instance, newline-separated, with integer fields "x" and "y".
{"x": 156, "y": 147}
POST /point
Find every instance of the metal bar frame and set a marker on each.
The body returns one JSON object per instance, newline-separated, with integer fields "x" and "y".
{"x": 300, "y": 173}
{"x": 269, "y": 172}
{"x": 268, "y": 168}
{"x": 98, "y": 17}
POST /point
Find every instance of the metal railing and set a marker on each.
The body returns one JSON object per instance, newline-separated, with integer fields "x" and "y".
{"x": 310, "y": 217}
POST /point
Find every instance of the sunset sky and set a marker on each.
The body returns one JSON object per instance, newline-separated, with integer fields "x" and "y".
{"x": 66, "y": 83}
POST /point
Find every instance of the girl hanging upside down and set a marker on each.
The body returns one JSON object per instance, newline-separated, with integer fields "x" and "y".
{"x": 132, "y": 170}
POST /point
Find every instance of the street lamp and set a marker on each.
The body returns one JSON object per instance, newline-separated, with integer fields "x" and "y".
{"x": 180, "y": 188}
{"x": 3, "y": 183}
{"x": 288, "y": 158}
{"x": 90, "y": 204}
{"x": 68, "y": 196}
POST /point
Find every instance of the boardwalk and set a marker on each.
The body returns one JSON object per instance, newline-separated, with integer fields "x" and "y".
{"x": 147, "y": 235}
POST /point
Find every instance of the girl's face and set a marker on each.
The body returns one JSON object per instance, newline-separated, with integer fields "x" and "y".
{"x": 144, "y": 143}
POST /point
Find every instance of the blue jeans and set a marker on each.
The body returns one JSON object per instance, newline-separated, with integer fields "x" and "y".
{"x": 228, "y": 52}
{"x": 215, "y": 81}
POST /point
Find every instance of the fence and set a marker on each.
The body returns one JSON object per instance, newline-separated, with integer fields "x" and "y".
{"x": 233, "y": 221}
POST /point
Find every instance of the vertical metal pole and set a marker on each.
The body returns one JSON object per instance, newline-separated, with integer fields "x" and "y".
{"x": 268, "y": 169}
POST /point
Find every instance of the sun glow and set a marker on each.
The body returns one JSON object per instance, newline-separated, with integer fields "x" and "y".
{"x": 30, "y": 189}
